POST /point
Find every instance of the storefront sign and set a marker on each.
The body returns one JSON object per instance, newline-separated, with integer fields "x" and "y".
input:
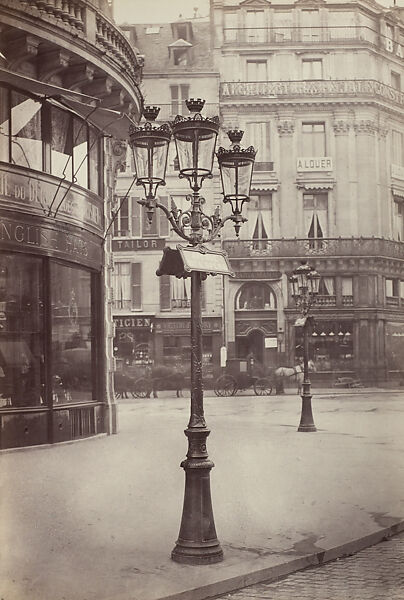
{"x": 136, "y": 245}
{"x": 180, "y": 326}
{"x": 41, "y": 195}
{"x": 258, "y": 274}
{"x": 204, "y": 260}
{"x": 243, "y": 328}
{"x": 132, "y": 322}
{"x": 284, "y": 89}
{"x": 34, "y": 237}
{"x": 314, "y": 163}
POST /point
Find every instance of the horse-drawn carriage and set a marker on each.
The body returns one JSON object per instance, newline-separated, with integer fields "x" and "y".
{"x": 142, "y": 382}
{"x": 241, "y": 375}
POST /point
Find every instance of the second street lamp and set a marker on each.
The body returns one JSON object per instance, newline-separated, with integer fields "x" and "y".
{"x": 195, "y": 138}
{"x": 305, "y": 283}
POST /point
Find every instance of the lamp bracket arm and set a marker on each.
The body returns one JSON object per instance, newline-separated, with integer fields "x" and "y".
{"x": 173, "y": 221}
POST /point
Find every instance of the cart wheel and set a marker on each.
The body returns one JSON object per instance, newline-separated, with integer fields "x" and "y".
{"x": 225, "y": 386}
{"x": 262, "y": 387}
{"x": 142, "y": 388}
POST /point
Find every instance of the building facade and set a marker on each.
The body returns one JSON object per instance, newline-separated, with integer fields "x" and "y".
{"x": 317, "y": 86}
{"x": 65, "y": 104}
{"x": 152, "y": 314}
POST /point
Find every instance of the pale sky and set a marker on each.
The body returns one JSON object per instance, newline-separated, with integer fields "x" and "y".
{"x": 165, "y": 11}
{"x": 157, "y": 11}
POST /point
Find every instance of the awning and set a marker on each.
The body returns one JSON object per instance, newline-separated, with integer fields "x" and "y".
{"x": 111, "y": 122}
{"x": 45, "y": 89}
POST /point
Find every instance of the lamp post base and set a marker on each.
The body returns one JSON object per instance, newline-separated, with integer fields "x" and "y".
{"x": 197, "y": 542}
{"x": 306, "y": 419}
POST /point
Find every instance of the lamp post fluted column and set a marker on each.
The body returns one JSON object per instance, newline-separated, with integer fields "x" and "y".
{"x": 195, "y": 139}
{"x": 197, "y": 541}
{"x": 305, "y": 283}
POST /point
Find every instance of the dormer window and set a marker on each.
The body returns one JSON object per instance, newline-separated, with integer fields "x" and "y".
{"x": 179, "y": 52}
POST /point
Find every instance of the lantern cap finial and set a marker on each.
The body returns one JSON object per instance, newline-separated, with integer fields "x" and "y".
{"x": 235, "y": 135}
{"x": 195, "y": 105}
{"x": 150, "y": 113}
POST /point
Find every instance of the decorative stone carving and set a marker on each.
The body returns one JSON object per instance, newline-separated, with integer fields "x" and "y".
{"x": 341, "y": 127}
{"x": 286, "y": 127}
{"x": 51, "y": 63}
{"x": 365, "y": 126}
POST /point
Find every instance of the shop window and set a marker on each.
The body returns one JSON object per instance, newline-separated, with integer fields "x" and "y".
{"x": 179, "y": 93}
{"x": 22, "y": 376}
{"x": 315, "y": 216}
{"x": 255, "y": 297}
{"x": 257, "y": 70}
{"x": 312, "y": 68}
{"x": 313, "y": 139}
{"x": 398, "y": 216}
{"x": 26, "y": 134}
{"x": 72, "y": 335}
{"x": 61, "y": 144}
{"x": 4, "y": 124}
{"x": 330, "y": 346}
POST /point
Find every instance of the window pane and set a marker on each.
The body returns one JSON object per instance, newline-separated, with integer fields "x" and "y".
{"x": 4, "y": 124}
{"x": 26, "y": 149}
{"x": 61, "y": 144}
{"x": 230, "y": 24}
{"x": 22, "y": 376}
{"x": 94, "y": 160}
{"x": 136, "y": 281}
{"x": 72, "y": 379}
{"x": 122, "y": 285}
{"x": 80, "y": 150}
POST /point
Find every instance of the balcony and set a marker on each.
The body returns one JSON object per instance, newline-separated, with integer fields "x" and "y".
{"x": 66, "y": 38}
{"x": 346, "y": 89}
{"x": 301, "y": 35}
{"x": 295, "y": 247}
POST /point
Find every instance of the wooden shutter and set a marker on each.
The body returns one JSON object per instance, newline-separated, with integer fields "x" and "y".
{"x": 165, "y": 292}
{"x": 136, "y": 281}
{"x": 164, "y": 223}
{"x": 135, "y": 216}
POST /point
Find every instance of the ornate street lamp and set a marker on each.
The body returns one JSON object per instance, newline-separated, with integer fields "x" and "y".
{"x": 305, "y": 282}
{"x": 195, "y": 138}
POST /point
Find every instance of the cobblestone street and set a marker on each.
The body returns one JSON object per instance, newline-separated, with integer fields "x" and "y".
{"x": 372, "y": 574}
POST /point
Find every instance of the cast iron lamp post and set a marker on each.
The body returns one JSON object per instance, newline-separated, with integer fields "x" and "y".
{"x": 195, "y": 138}
{"x": 305, "y": 283}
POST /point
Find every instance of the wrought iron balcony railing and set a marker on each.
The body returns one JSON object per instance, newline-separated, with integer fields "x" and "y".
{"x": 314, "y": 88}
{"x": 292, "y": 35}
{"x": 295, "y": 247}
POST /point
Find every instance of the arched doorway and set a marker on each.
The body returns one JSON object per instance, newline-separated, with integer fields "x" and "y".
{"x": 251, "y": 344}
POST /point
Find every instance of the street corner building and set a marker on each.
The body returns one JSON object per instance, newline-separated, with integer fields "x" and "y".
{"x": 69, "y": 89}
{"x": 317, "y": 88}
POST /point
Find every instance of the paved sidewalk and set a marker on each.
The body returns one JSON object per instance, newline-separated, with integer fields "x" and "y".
{"x": 97, "y": 519}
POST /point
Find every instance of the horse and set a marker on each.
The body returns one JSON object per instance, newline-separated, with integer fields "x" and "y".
{"x": 297, "y": 372}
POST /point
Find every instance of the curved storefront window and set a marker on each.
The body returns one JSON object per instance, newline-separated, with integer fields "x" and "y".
{"x": 26, "y": 134}
{"x": 34, "y": 126}
{"x": 71, "y": 334}
{"x": 255, "y": 297}
{"x": 22, "y": 375}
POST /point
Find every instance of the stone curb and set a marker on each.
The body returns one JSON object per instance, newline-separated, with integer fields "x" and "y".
{"x": 273, "y": 573}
